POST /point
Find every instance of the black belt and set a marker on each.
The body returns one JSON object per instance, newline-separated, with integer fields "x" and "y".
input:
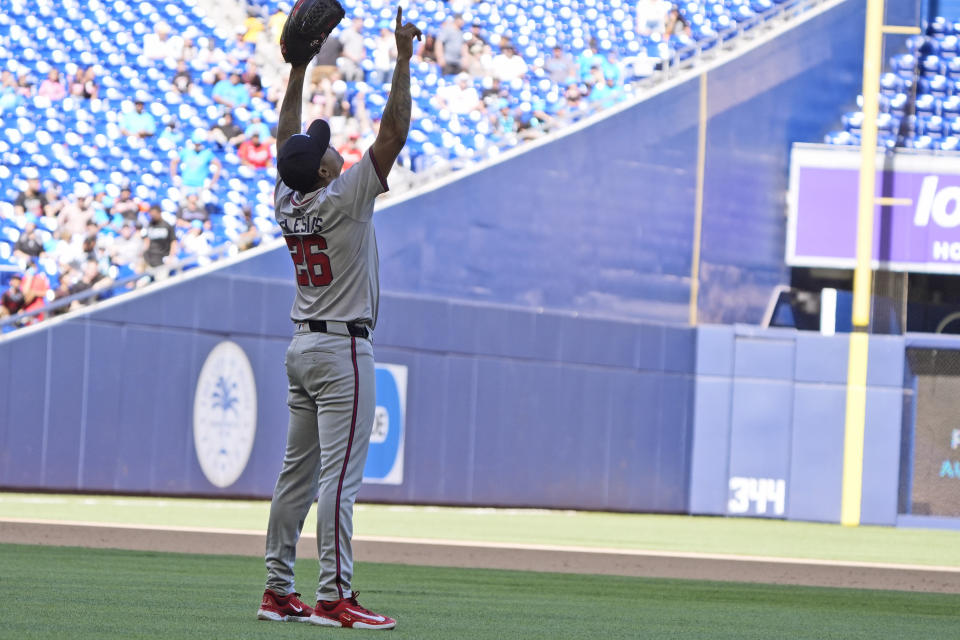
{"x": 355, "y": 329}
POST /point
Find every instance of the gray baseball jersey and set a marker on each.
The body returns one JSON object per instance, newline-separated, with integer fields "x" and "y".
{"x": 330, "y": 235}
{"x": 331, "y": 391}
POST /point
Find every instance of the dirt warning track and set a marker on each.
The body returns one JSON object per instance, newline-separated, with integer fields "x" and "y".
{"x": 520, "y": 557}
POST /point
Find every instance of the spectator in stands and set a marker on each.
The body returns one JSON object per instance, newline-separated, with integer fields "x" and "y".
{"x": 504, "y": 122}
{"x": 277, "y": 21}
{"x": 125, "y": 206}
{"x": 191, "y": 210}
{"x": 427, "y": 51}
{"x": 241, "y": 51}
{"x": 250, "y": 236}
{"x": 227, "y": 132}
{"x": 460, "y": 97}
{"x": 9, "y": 98}
{"x": 101, "y": 204}
{"x": 475, "y": 38}
{"x": 325, "y": 63}
{"x": 57, "y": 200}
{"x": 491, "y": 94}
{"x": 451, "y": 45}
{"x": 252, "y": 27}
{"x": 182, "y": 79}
{"x": 384, "y": 57}
{"x": 35, "y": 285}
{"x": 478, "y": 56}
{"x": 171, "y": 131}
{"x": 67, "y": 249}
{"x": 232, "y": 93}
{"x": 208, "y": 53}
{"x": 160, "y": 44}
{"x": 343, "y": 110}
{"x": 508, "y": 66}
{"x": 196, "y": 241}
{"x": 91, "y": 278}
{"x": 68, "y": 276}
{"x": 353, "y": 52}
{"x": 595, "y": 78}
{"x": 538, "y": 122}
{"x": 560, "y": 67}
{"x": 25, "y": 85}
{"x": 77, "y": 211}
{"x": 588, "y": 58}
{"x": 678, "y": 27}
{"x": 13, "y": 300}
{"x": 33, "y": 200}
{"x": 254, "y": 152}
{"x": 159, "y": 239}
{"x": 126, "y": 250}
{"x": 359, "y": 117}
{"x": 257, "y": 126}
{"x": 252, "y": 80}
{"x": 605, "y": 93}
{"x": 84, "y": 84}
{"x": 139, "y": 123}
{"x": 574, "y": 107}
{"x": 352, "y": 154}
{"x": 92, "y": 246}
{"x": 52, "y": 87}
{"x": 75, "y": 87}
{"x": 196, "y": 168}
{"x": 323, "y": 99}
{"x": 190, "y": 49}
{"x": 651, "y": 17}
{"x": 611, "y": 67}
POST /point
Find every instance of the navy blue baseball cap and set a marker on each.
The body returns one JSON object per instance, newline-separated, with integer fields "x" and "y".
{"x": 298, "y": 160}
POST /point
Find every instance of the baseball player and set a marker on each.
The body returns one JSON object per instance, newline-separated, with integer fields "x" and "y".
{"x": 326, "y": 218}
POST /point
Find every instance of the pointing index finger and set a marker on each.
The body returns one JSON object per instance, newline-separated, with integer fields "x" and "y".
{"x": 399, "y": 17}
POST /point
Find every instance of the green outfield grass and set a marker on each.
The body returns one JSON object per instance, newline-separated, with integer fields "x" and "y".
{"x": 625, "y": 531}
{"x": 58, "y": 592}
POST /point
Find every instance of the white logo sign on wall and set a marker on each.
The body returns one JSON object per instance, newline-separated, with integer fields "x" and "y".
{"x": 225, "y": 414}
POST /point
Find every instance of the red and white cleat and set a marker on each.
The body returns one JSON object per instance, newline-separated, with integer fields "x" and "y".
{"x": 287, "y": 608}
{"x": 347, "y": 612}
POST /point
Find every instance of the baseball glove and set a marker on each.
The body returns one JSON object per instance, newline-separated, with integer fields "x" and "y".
{"x": 307, "y": 28}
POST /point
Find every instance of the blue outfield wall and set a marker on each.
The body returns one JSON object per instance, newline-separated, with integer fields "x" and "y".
{"x": 504, "y": 406}
{"x": 770, "y": 408}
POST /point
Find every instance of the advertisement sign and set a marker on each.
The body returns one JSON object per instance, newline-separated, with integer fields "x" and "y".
{"x": 385, "y": 457}
{"x": 919, "y": 231}
{"x": 935, "y": 464}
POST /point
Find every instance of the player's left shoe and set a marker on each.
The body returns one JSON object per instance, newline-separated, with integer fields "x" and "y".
{"x": 287, "y": 608}
{"x": 347, "y": 612}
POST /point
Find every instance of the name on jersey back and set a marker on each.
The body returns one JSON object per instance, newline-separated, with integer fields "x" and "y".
{"x": 308, "y": 224}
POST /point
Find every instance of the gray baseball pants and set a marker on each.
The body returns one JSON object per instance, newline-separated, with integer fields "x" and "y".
{"x": 332, "y": 401}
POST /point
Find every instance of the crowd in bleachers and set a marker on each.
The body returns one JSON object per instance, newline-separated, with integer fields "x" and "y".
{"x": 140, "y": 135}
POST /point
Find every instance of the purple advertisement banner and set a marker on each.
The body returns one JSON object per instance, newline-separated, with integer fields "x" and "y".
{"x": 919, "y": 232}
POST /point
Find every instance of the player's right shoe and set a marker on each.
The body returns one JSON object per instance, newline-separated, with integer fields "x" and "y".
{"x": 347, "y": 612}
{"x": 287, "y": 608}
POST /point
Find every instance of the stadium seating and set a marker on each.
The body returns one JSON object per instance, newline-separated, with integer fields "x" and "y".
{"x": 77, "y": 140}
{"x": 919, "y": 95}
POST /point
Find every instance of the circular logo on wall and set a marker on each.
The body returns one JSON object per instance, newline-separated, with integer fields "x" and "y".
{"x": 225, "y": 414}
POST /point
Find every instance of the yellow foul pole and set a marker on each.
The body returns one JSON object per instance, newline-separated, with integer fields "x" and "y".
{"x": 857, "y": 364}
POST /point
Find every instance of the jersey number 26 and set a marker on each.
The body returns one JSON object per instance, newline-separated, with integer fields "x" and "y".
{"x": 312, "y": 265}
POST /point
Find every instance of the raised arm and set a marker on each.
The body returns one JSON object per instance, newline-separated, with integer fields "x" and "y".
{"x": 290, "y": 121}
{"x": 395, "y": 123}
